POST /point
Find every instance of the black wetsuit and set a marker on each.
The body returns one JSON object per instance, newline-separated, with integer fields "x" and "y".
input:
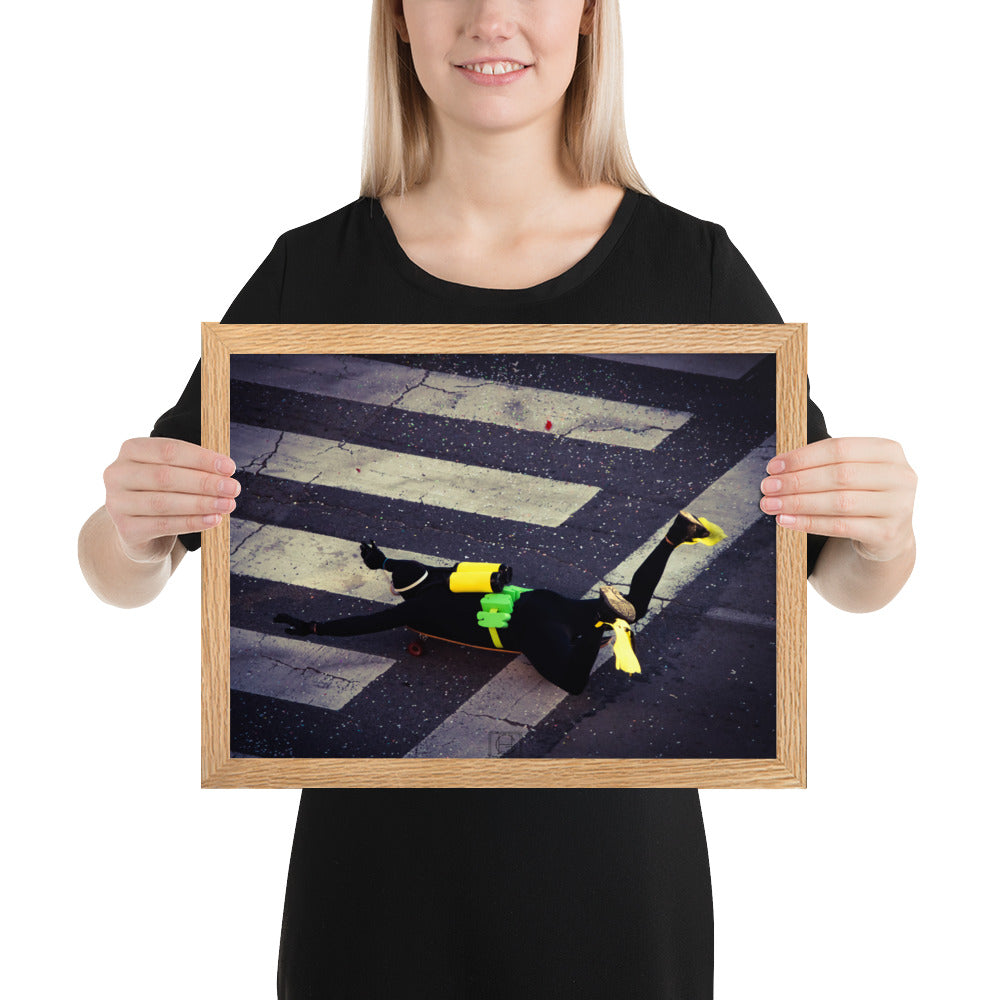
{"x": 556, "y": 633}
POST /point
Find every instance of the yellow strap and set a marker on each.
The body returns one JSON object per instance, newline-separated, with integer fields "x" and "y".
{"x": 495, "y": 638}
{"x": 625, "y": 658}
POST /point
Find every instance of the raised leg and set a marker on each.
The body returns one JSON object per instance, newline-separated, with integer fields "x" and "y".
{"x": 647, "y": 576}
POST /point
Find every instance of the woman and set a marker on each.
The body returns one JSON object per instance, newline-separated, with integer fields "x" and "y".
{"x": 498, "y": 188}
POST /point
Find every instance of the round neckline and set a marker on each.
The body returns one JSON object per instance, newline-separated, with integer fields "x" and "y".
{"x": 548, "y": 289}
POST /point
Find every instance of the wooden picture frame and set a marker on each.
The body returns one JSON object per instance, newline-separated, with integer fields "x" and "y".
{"x": 786, "y": 344}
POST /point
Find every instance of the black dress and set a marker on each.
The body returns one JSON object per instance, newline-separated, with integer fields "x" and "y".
{"x": 567, "y": 894}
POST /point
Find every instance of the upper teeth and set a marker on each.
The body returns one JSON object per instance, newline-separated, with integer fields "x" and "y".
{"x": 495, "y": 69}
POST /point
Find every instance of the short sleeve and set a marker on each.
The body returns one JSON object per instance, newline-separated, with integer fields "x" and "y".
{"x": 258, "y": 302}
{"x": 737, "y": 296}
{"x": 260, "y": 299}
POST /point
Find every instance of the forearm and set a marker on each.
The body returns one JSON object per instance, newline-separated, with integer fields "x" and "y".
{"x": 113, "y": 576}
{"x": 853, "y": 583}
{"x": 380, "y": 621}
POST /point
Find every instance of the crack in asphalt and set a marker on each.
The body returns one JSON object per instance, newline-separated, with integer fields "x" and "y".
{"x": 409, "y": 389}
{"x": 460, "y": 392}
{"x": 302, "y": 668}
{"x": 499, "y": 718}
{"x": 243, "y": 541}
{"x": 263, "y": 459}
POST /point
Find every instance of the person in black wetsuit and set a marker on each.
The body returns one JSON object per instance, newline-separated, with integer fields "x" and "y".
{"x": 559, "y": 636}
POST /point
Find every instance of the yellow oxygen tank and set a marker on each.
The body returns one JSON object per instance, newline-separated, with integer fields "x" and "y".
{"x": 479, "y": 578}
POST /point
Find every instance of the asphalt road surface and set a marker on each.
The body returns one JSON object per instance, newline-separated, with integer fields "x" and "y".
{"x": 569, "y": 468}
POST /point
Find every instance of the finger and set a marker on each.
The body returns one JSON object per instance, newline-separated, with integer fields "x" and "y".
{"x": 172, "y": 451}
{"x": 842, "y": 503}
{"x": 862, "y": 529}
{"x": 833, "y": 451}
{"x": 139, "y": 531}
{"x": 160, "y": 504}
{"x": 140, "y": 477}
{"x": 851, "y": 476}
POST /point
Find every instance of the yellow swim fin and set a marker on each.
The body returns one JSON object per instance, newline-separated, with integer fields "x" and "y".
{"x": 625, "y": 658}
{"x": 714, "y": 536}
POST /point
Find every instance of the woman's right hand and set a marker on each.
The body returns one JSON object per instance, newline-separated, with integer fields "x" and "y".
{"x": 158, "y": 488}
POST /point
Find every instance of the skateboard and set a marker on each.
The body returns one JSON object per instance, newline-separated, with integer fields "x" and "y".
{"x": 417, "y": 646}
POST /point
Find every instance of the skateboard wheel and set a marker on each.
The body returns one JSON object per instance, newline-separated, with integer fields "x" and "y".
{"x": 415, "y": 648}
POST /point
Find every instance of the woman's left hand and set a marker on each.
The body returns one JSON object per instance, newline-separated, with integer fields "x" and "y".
{"x": 856, "y": 488}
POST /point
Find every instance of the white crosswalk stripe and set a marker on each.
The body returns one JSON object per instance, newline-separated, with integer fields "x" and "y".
{"x": 383, "y": 383}
{"x": 307, "y": 559}
{"x": 434, "y": 481}
{"x": 727, "y": 366}
{"x": 303, "y": 672}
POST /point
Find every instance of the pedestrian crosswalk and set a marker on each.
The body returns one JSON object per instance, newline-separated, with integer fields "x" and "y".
{"x": 566, "y": 517}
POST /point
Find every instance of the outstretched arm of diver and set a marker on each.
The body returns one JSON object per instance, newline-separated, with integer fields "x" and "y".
{"x": 374, "y": 558}
{"x": 380, "y": 621}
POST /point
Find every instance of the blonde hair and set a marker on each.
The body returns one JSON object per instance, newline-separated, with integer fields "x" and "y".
{"x": 397, "y": 145}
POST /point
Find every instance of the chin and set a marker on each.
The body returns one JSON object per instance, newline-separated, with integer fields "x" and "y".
{"x": 498, "y": 117}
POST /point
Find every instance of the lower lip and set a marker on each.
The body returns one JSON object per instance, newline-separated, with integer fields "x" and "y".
{"x": 486, "y": 80}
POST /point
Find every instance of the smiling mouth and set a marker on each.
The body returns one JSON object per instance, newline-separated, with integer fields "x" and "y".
{"x": 492, "y": 68}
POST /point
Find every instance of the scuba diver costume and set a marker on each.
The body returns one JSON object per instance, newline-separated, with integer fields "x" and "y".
{"x": 560, "y": 636}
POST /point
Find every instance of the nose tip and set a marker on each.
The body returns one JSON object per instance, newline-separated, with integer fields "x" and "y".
{"x": 490, "y": 19}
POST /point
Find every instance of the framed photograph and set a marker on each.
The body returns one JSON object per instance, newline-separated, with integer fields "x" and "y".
{"x": 503, "y": 556}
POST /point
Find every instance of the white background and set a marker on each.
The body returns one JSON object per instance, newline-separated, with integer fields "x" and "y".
{"x": 154, "y": 153}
